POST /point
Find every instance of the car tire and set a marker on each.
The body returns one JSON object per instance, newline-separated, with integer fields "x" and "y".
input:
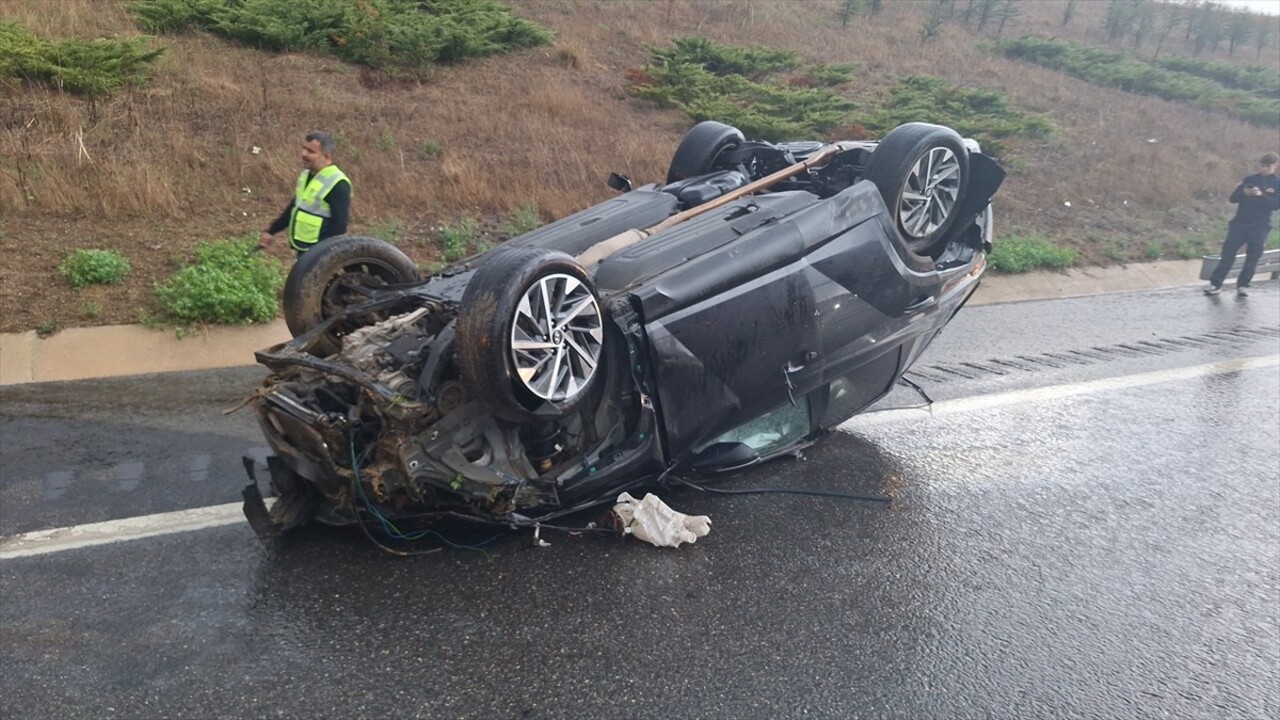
{"x": 321, "y": 283}
{"x": 922, "y": 172}
{"x": 518, "y": 351}
{"x": 696, "y": 154}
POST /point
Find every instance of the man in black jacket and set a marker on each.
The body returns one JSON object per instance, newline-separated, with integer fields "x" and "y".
{"x": 1257, "y": 197}
{"x": 321, "y": 204}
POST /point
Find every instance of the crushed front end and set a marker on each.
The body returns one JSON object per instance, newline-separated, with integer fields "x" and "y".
{"x": 384, "y": 432}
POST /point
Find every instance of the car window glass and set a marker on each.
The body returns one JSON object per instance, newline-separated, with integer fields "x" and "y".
{"x": 772, "y": 431}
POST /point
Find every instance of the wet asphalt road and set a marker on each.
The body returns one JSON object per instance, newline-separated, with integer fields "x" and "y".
{"x": 1104, "y": 551}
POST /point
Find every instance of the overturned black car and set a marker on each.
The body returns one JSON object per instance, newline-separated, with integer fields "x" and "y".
{"x": 765, "y": 293}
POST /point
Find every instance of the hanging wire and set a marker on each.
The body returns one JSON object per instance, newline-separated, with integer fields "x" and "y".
{"x": 786, "y": 491}
{"x": 391, "y": 530}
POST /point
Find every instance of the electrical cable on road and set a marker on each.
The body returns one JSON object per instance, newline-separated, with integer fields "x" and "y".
{"x": 393, "y": 532}
{"x": 787, "y": 491}
{"x": 389, "y": 527}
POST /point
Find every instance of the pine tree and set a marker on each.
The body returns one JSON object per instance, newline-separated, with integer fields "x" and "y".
{"x": 1173, "y": 17}
{"x": 1007, "y": 11}
{"x": 1146, "y": 21}
{"x": 1238, "y": 31}
{"x": 1262, "y": 38}
{"x": 848, "y": 9}
{"x": 1068, "y": 12}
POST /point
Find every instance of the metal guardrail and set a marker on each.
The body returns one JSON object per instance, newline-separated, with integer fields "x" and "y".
{"x": 1269, "y": 262}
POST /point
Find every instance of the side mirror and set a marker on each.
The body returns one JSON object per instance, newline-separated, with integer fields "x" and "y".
{"x": 621, "y": 183}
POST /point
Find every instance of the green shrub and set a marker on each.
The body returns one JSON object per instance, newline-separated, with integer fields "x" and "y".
{"x": 1103, "y": 67}
{"x": 1204, "y": 241}
{"x": 983, "y": 115}
{"x": 1254, "y": 78}
{"x": 1187, "y": 249}
{"x": 88, "y": 267}
{"x": 830, "y": 75}
{"x": 754, "y": 62}
{"x": 1023, "y": 251}
{"x": 455, "y": 240}
{"x": 738, "y": 86}
{"x": 521, "y": 221}
{"x": 174, "y": 16}
{"x": 1115, "y": 251}
{"x": 388, "y": 230}
{"x": 430, "y": 149}
{"x": 88, "y": 67}
{"x": 230, "y": 283}
{"x": 395, "y": 35}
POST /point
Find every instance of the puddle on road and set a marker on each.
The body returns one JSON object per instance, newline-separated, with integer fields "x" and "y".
{"x": 128, "y": 476}
{"x": 56, "y": 482}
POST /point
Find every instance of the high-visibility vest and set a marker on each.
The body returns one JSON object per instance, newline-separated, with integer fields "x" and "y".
{"x": 311, "y": 207}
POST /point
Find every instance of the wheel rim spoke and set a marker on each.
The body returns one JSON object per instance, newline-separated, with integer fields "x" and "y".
{"x": 930, "y": 192}
{"x": 556, "y": 337}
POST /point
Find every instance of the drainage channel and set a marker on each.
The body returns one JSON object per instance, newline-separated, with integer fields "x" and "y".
{"x": 944, "y": 372}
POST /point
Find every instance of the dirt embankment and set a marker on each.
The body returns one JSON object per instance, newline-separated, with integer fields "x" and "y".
{"x": 152, "y": 171}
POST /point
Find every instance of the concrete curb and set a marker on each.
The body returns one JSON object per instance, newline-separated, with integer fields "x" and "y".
{"x": 1087, "y": 281}
{"x": 83, "y": 353}
{"x": 114, "y": 350}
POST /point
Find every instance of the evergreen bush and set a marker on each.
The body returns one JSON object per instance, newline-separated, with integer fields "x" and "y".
{"x": 984, "y": 115}
{"x": 394, "y": 35}
{"x": 740, "y": 86}
{"x": 1255, "y": 78}
{"x": 87, "y": 67}
{"x": 1103, "y": 67}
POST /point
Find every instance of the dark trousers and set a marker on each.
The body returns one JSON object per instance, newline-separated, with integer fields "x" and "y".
{"x": 1254, "y": 239}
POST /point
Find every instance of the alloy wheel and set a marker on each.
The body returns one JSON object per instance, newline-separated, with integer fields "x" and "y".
{"x": 930, "y": 192}
{"x": 556, "y": 337}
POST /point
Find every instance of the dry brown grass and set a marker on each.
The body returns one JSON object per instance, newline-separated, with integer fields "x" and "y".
{"x": 153, "y": 170}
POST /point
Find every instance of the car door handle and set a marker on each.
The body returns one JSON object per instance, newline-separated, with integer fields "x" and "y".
{"x": 919, "y": 304}
{"x": 798, "y": 362}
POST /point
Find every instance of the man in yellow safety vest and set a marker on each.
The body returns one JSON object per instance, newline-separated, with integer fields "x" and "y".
{"x": 321, "y": 202}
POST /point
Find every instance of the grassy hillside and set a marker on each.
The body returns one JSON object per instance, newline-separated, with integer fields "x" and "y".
{"x": 459, "y": 155}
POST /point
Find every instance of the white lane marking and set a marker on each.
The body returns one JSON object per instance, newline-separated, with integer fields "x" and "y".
{"x": 40, "y": 542}
{"x": 1055, "y": 392}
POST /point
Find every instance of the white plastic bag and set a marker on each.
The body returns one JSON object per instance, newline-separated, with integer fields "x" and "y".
{"x": 652, "y": 521}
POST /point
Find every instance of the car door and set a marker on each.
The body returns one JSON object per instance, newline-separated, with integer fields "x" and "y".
{"x": 735, "y": 356}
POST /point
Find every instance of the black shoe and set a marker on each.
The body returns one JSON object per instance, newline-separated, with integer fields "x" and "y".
{"x": 1212, "y": 290}
{"x": 1243, "y": 291}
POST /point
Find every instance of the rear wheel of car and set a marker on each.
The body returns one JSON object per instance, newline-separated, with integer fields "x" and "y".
{"x": 530, "y": 334}
{"x": 696, "y": 154}
{"x": 336, "y": 274}
{"x": 922, "y": 172}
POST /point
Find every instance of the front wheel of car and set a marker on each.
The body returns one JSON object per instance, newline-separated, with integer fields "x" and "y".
{"x": 922, "y": 172}
{"x": 336, "y": 274}
{"x": 530, "y": 334}
{"x": 696, "y": 154}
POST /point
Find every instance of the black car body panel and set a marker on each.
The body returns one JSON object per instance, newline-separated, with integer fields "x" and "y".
{"x": 769, "y": 314}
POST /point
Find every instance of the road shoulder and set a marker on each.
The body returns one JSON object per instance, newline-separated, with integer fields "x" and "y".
{"x": 112, "y": 351}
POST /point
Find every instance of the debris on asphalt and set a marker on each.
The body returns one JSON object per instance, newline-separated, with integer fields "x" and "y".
{"x": 654, "y": 522}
